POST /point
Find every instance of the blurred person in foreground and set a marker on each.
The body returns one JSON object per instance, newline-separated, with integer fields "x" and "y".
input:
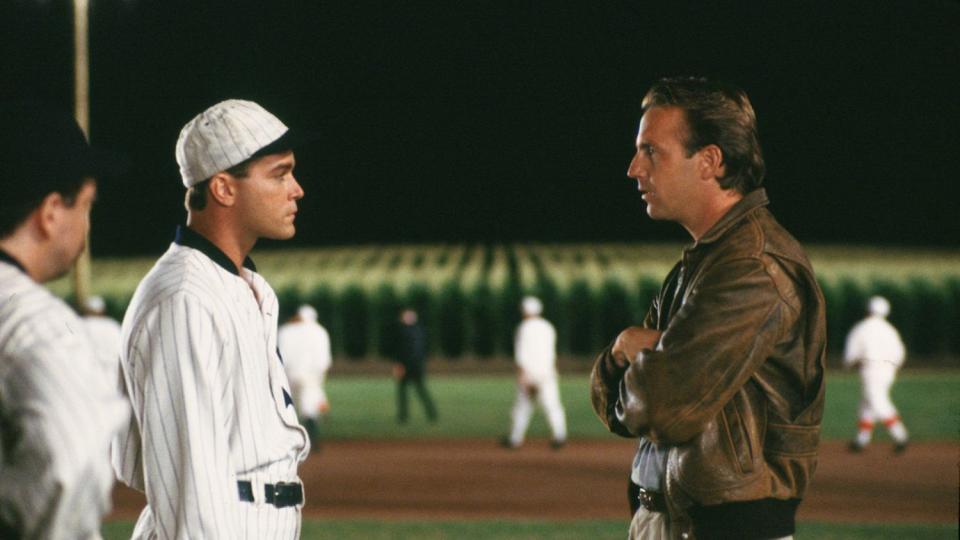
{"x": 409, "y": 367}
{"x": 58, "y": 413}
{"x": 214, "y": 442}
{"x": 874, "y": 346}
{"x": 724, "y": 381}
{"x": 535, "y": 352}
{"x": 305, "y": 350}
{"x": 104, "y": 335}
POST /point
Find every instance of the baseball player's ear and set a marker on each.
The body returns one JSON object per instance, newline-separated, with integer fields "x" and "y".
{"x": 48, "y": 214}
{"x": 222, "y": 189}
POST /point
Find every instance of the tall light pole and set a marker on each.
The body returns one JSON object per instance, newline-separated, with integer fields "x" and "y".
{"x": 81, "y": 103}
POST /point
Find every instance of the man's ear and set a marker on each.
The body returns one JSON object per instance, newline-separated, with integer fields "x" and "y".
{"x": 711, "y": 164}
{"x": 48, "y": 215}
{"x": 223, "y": 189}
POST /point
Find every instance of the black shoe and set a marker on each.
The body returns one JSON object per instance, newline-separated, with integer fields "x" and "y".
{"x": 505, "y": 442}
{"x": 900, "y": 447}
{"x": 557, "y": 444}
{"x": 855, "y": 447}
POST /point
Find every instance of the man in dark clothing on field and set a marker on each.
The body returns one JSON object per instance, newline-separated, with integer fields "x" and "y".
{"x": 410, "y": 356}
{"x": 724, "y": 381}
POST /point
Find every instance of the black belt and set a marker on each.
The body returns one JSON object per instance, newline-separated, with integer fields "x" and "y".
{"x": 653, "y": 501}
{"x": 281, "y": 494}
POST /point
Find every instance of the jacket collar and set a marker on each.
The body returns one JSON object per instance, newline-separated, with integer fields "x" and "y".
{"x": 7, "y": 258}
{"x": 189, "y": 238}
{"x": 750, "y": 202}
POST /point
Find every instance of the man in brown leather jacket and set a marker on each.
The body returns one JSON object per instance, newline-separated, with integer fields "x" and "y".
{"x": 724, "y": 381}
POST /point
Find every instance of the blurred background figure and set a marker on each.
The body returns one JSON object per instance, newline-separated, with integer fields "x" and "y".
{"x": 874, "y": 345}
{"x": 305, "y": 348}
{"x": 536, "y": 356}
{"x": 410, "y": 353}
{"x": 105, "y": 337}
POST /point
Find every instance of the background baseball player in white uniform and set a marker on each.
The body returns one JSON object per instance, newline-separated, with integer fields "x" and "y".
{"x": 535, "y": 352}
{"x": 58, "y": 413}
{"x": 215, "y": 442}
{"x": 104, "y": 335}
{"x": 305, "y": 349}
{"x": 875, "y": 346}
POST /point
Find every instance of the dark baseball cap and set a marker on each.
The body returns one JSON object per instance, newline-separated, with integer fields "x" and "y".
{"x": 43, "y": 150}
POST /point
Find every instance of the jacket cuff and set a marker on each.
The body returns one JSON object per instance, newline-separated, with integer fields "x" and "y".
{"x": 605, "y": 391}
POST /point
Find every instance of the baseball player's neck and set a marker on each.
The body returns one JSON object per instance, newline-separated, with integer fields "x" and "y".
{"x": 232, "y": 243}
{"x": 35, "y": 255}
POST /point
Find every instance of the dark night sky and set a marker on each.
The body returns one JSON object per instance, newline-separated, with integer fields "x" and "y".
{"x": 514, "y": 121}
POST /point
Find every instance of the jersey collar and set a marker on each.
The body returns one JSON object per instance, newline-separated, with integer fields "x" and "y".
{"x": 7, "y": 258}
{"x": 189, "y": 238}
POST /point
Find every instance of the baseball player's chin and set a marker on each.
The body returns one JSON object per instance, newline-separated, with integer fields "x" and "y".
{"x": 286, "y": 232}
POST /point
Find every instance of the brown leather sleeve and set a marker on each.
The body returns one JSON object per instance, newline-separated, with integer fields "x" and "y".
{"x": 726, "y": 328}
{"x": 605, "y": 381}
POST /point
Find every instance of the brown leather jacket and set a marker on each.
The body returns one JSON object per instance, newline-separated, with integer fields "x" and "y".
{"x": 735, "y": 387}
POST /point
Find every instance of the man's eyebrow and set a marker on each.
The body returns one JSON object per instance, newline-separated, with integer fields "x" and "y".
{"x": 282, "y": 166}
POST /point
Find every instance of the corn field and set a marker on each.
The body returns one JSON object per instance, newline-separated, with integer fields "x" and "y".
{"x": 468, "y": 296}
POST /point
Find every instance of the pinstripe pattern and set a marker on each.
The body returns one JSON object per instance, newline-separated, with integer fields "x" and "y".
{"x": 200, "y": 368}
{"x": 58, "y": 414}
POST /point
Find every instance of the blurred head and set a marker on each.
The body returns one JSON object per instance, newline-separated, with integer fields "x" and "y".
{"x": 307, "y": 313}
{"x": 94, "y": 305}
{"x": 878, "y": 306}
{"x": 531, "y": 306}
{"x": 43, "y": 152}
{"x": 47, "y": 188}
{"x": 714, "y": 114}
{"x": 408, "y": 316}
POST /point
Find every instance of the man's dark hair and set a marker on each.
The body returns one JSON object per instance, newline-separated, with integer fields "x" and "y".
{"x": 17, "y": 204}
{"x": 719, "y": 114}
{"x": 197, "y": 195}
{"x": 43, "y": 151}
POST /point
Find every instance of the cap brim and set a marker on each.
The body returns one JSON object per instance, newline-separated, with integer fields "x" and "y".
{"x": 291, "y": 140}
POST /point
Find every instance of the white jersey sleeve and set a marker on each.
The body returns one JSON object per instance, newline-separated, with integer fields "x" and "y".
{"x": 173, "y": 360}
{"x": 57, "y": 416}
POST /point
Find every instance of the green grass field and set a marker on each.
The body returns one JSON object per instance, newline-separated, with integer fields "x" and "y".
{"x": 578, "y": 530}
{"x": 479, "y": 406}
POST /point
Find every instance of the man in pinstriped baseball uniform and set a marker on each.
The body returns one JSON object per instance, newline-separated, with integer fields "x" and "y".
{"x": 58, "y": 412}
{"x": 214, "y": 441}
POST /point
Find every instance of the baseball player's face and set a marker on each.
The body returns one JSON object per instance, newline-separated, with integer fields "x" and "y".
{"x": 69, "y": 229}
{"x": 666, "y": 177}
{"x": 267, "y": 197}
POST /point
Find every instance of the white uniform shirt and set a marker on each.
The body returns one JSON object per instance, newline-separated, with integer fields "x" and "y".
{"x": 105, "y": 338}
{"x": 210, "y": 399}
{"x": 305, "y": 348}
{"x": 876, "y": 344}
{"x": 535, "y": 349}
{"x": 61, "y": 413}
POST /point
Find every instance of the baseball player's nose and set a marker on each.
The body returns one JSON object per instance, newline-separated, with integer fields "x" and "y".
{"x": 297, "y": 190}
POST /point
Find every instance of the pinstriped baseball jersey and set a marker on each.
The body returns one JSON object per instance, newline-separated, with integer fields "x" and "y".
{"x": 210, "y": 399}
{"x": 58, "y": 414}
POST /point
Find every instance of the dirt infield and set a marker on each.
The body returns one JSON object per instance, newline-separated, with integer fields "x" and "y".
{"x": 476, "y": 479}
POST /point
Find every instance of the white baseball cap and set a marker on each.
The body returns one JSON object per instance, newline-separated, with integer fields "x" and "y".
{"x": 95, "y": 304}
{"x": 225, "y": 135}
{"x": 878, "y": 306}
{"x": 307, "y": 313}
{"x": 531, "y": 305}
